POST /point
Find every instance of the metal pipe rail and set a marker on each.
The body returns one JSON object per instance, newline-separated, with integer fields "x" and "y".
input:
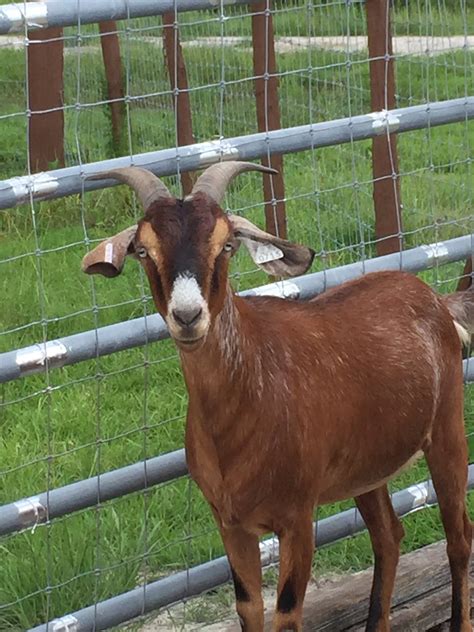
{"x": 140, "y": 331}
{"x": 38, "y": 509}
{"x": 15, "y": 17}
{"x": 46, "y": 506}
{"x": 71, "y": 180}
{"x": 204, "y": 577}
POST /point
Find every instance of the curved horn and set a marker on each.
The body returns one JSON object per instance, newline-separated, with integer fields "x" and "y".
{"x": 215, "y": 180}
{"x": 146, "y": 185}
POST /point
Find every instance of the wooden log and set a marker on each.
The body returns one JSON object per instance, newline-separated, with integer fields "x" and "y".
{"x": 422, "y": 596}
{"x": 46, "y": 99}
{"x": 110, "y": 44}
{"x": 421, "y": 601}
{"x": 268, "y": 113}
{"x": 386, "y": 191}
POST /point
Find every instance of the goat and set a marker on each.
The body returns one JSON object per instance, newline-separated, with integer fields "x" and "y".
{"x": 294, "y": 404}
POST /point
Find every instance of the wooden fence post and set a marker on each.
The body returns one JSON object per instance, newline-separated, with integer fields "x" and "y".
{"x": 179, "y": 85}
{"x": 46, "y": 99}
{"x": 465, "y": 281}
{"x": 110, "y": 44}
{"x": 268, "y": 112}
{"x": 386, "y": 192}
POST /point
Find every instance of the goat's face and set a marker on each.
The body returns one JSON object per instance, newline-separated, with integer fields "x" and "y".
{"x": 185, "y": 247}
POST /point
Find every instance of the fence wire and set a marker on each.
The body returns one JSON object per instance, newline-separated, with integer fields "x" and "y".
{"x": 84, "y": 420}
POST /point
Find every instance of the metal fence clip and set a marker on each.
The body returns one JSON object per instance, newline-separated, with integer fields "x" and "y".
{"x": 33, "y": 359}
{"x": 31, "y": 512}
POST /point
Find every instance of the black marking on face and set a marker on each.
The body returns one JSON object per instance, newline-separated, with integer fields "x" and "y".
{"x": 216, "y": 274}
{"x": 186, "y": 259}
{"x": 183, "y": 232}
{"x": 157, "y": 281}
{"x": 241, "y": 593}
{"x": 287, "y": 598}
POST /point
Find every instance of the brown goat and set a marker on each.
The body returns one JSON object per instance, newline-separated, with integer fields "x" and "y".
{"x": 293, "y": 404}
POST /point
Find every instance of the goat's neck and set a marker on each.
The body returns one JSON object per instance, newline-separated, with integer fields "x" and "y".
{"x": 228, "y": 357}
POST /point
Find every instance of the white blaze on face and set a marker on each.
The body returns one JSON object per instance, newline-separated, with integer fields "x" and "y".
{"x": 185, "y": 296}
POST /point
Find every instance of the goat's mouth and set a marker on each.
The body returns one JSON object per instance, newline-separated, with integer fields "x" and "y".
{"x": 189, "y": 344}
{"x": 188, "y": 337}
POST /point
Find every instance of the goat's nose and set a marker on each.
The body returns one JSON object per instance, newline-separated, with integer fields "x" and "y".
{"x": 187, "y": 317}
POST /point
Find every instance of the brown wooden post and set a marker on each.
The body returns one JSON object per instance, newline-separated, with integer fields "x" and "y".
{"x": 386, "y": 190}
{"x": 110, "y": 44}
{"x": 45, "y": 92}
{"x": 465, "y": 281}
{"x": 268, "y": 112}
{"x": 179, "y": 85}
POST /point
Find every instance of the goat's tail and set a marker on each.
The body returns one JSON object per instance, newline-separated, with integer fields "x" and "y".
{"x": 461, "y": 308}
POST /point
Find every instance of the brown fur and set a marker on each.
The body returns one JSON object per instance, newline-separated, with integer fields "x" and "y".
{"x": 329, "y": 400}
{"x": 295, "y": 404}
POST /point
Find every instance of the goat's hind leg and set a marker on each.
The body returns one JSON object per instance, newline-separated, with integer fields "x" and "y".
{"x": 447, "y": 459}
{"x": 385, "y": 532}
{"x": 244, "y": 556}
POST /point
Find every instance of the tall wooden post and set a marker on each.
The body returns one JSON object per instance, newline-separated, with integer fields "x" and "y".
{"x": 110, "y": 44}
{"x": 46, "y": 99}
{"x": 386, "y": 193}
{"x": 268, "y": 112}
{"x": 465, "y": 281}
{"x": 179, "y": 85}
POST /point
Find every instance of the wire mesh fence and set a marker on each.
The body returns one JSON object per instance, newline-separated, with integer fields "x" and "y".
{"x": 84, "y": 420}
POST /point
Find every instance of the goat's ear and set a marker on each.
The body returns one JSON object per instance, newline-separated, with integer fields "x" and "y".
{"x": 276, "y": 256}
{"x": 108, "y": 257}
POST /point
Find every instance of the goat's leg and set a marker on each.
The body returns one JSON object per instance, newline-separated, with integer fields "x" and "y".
{"x": 385, "y": 532}
{"x": 296, "y": 554}
{"x": 244, "y": 557}
{"x": 447, "y": 459}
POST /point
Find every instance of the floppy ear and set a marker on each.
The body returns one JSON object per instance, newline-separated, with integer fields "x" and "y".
{"x": 108, "y": 257}
{"x": 276, "y": 256}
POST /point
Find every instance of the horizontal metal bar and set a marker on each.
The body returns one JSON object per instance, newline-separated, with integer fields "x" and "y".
{"x": 204, "y": 577}
{"x": 37, "y": 15}
{"x": 82, "y": 346}
{"x": 412, "y": 260}
{"x": 34, "y": 510}
{"x": 58, "y": 502}
{"x": 68, "y": 181}
{"x": 139, "y": 331}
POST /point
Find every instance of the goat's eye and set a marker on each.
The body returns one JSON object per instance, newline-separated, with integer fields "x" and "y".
{"x": 141, "y": 252}
{"x": 228, "y": 247}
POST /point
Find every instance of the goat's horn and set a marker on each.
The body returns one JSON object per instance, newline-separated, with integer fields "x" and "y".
{"x": 146, "y": 185}
{"x": 215, "y": 180}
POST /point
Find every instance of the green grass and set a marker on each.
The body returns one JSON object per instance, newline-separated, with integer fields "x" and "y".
{"x": 103, "y": 414}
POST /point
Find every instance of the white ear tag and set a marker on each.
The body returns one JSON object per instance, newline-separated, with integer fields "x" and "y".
{"x": 109, "y": 252}
{"x": 261, "y": 252}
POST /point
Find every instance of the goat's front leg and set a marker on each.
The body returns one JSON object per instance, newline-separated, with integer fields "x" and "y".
{"x": 296, "y": 554}
{"x": 385, "y": 532}
{"x": 244, "y": 557}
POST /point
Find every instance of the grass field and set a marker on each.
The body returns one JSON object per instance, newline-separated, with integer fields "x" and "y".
{"x": 103, "y": 414}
